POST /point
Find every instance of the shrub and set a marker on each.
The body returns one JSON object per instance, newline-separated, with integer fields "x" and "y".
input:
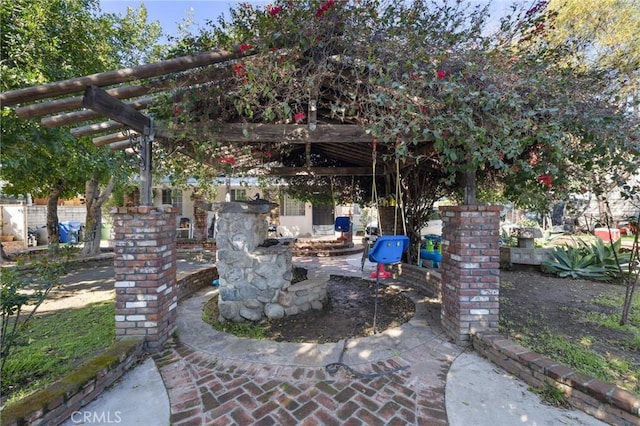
{"x": 596, "y": 261}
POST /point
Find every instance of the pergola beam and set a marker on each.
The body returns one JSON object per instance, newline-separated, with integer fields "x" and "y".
{"x": 110, "y": 139}
{"x": 77, "y": 85}
{"x": 261, "y": 133}
{"x": 92, "y": 129}
{"x": 86, "y": 115}
{"x": 126, "y": 92}
{"x": 320, "y": 171}
{"x": 291, "y": 133}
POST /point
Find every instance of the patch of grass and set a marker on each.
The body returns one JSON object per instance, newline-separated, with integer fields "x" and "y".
{"x": 612, "y": 320}
{"x": 580, "y": 356}
{"x": 552, "y": 396}
{"x": 506, "y": 284}
{"x": 249, "y": 330}
{"x": 56, "y": 343}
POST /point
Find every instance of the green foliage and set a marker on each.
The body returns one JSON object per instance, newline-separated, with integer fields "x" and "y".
{"x": 580, "y": 356}
{"x": 22, "y": 293}
{"x": 552, "y": 395}
{"x": 54, "y": 345}
{"x": 43, "y": 41}
{"x": 241, "y": 329}
{"x": 574, "y": 262}
{"x": 438, "y": 88}
{"x": 596, "y": 261}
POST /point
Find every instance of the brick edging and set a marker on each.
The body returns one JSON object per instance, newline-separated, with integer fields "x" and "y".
{"x": 56, "y": 403}
{"x": 604, "y": 401}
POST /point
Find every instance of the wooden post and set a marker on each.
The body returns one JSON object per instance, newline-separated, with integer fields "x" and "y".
{"x": 100, "y": 101}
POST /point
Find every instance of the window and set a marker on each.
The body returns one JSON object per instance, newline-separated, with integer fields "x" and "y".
{"x": 238, "y": 194}
{"x": 173, "y": 197}
{"x": 291, "y": 207}
{"x": 166, "y": 196}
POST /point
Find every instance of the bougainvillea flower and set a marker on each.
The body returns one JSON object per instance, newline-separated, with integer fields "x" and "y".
{"x": 228, "y": 160}
{"x": 299, "y": 117}
{"x": 273, "y": 11}
{"x": 441, "y": 74}
{"x": 239, "y": 70}
{"x": 244, "y": 47}
{"x": 546, "y": 180}
{"x": 324, "y": 7}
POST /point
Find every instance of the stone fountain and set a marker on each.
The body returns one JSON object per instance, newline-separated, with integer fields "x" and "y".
{"x": 256, "y": 271}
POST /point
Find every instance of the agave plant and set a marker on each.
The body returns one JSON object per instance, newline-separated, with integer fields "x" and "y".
{"x": 596, "y": 261}
{"x": 575, "y": 262}
{"x": 609, "y": 257}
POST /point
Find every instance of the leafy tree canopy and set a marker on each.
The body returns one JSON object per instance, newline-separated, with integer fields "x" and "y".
{"x": 431, "y": 81}
{"x": 49, "y": 40}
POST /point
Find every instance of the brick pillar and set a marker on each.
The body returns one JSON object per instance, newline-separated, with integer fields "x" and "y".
{"x": 145, "y": 273}
{"x": 470, "y": 269}
{"x": 386, "y": 220}
{"x": 199, "y": 222}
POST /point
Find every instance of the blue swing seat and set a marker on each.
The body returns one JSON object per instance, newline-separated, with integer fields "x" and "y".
{"x": 388, "y": 249}
{"x": 343, "y": 224}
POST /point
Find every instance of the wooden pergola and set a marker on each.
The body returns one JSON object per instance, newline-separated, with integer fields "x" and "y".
{"x": 109, "y": 105}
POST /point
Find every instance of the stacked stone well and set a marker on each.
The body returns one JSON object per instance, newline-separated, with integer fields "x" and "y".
{"x": 256, "y": 272}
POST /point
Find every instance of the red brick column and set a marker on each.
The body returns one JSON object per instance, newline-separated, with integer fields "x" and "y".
{"x": 200, "y": 223}
{"x": 145, "y": 273}
{"x": 386, "y": 220}
{"x": 470, "y": 269}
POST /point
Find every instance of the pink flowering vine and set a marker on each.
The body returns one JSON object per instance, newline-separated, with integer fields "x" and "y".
{"x": 244, "y": 47}
{"x": 239, "y": 70}
{"x": 441, "y": 74}
{"x": 273, "y": 11}
{"x": 324, "y": 7}
{"x": 546, "y": 180}
{"x": 298, "y": 117}
{"x": 228, "y": 160}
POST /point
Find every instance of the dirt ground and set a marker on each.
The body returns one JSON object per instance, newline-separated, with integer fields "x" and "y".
{"x": 530, "y": 303}
{"x": 533, "y": 303}
{"x": 349, "y": 313}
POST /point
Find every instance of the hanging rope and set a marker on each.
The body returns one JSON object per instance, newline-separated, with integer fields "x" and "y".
{"x": 374, "y": 191}
{"x": 399, "y": 202}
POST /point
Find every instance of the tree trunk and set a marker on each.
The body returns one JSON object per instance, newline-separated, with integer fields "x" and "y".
{"x": 469, "y": 185}
{"x": 52, "y": 215}
{"x": 94, "y": 202}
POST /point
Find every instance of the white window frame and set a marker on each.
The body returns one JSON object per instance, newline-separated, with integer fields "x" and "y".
{"x": 292, "y": 207}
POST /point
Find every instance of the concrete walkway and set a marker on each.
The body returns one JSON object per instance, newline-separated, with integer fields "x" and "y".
{"x": 417, "y": 377}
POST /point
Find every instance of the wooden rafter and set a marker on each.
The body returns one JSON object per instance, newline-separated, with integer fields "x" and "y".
{"x": 110, "y": 139}
{"x": 125, "y": 92}
{"x": 320, "y": 171}
{"x": 98, "y": 100}
{"x": 292, "y": 133}
{"x": 77, "y": 85}
{"x": 92, "y": 129}
{"x": 82, "y": 116}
